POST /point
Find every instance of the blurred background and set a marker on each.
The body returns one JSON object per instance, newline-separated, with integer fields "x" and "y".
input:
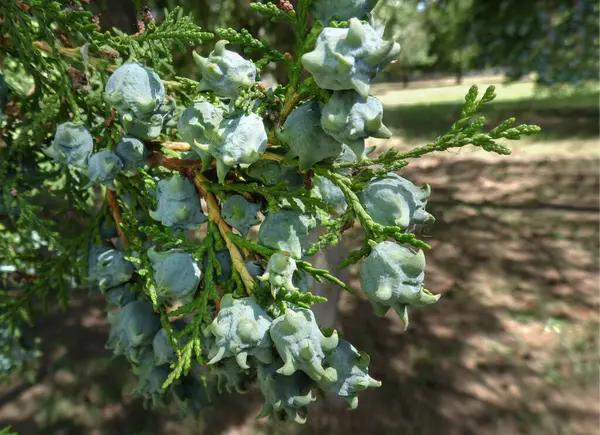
{"x": 512, "y": 346}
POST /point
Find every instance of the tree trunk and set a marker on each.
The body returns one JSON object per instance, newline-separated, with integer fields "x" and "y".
{"x": 405, "y": 81}
{"x": 459, "y": 76}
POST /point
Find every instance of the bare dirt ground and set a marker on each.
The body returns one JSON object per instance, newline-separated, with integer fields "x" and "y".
{"x": 510, "y": 348}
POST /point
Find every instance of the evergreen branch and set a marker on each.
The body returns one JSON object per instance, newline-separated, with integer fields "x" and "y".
{"x": 335, "y": 229}
{"x": 214, "y": 215}
{"x": 266, "y": 252}
{"x": 111, "y": 199}
{"x": 243, "y": 37}
{"x": 274, "y": 12}
{"x": 304, "y": 300}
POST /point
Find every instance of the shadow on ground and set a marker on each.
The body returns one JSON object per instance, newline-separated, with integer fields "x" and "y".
{"x": 510, "y": 348}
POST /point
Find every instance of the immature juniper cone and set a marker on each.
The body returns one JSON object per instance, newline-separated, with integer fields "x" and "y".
{"x": 138, "y": 94}
{"x": 72, "y": 145}
{"x": 205, "y": 198}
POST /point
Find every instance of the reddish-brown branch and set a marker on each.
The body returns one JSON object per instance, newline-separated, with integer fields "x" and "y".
{"x": 111, "y": 199}
{"x": 158, "y": 159}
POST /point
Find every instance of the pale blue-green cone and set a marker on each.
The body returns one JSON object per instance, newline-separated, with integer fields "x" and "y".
{"x": 395, "y": 201}
{"x": 132, "y": 153}
{"x": 145, "y": 128}
{"x": 287, "y": 231}
{"x": 243, "y": 139}
{"x": 176, "y": 274}
{"x": 330, "y": 193}
{"x": 135, "y": 90}
{"x": 350, "y": 119}
{"x": 132, "y": 329}
{"x": 306, "y": 139}
{"x": 351, "y": 373}
{"x": 178, "y": 204}
{"x": 119, "y": 296}
{"x": 92, "y": 259}
{"x": 285, "y": 396}
{"x": 240, "y": 213}
{"x": 199, "y": 125}
{"x": 162, "y": 350}
{"x": 392, "y": 277}
{"x": 349, "y": 58}
{"x": 229, "y": 377}
{"x": 280, "y": 273}
{"x": 150, "y": 380}
{"x": 225, "y": 72}
{"x": 103, "y": 168}
{"x": 72, "y": 145}
{"x": 270, "y": 173}
{"x": 301, "y": 344}
{"x": 112, "y": 269}
{"x": 241, "y": 330}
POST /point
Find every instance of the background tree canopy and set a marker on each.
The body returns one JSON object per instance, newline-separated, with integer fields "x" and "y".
{"x": 557, "y": 40}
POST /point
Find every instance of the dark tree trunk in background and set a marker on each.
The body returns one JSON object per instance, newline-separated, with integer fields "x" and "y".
{"x": 118, "y": 13}
{"x": 459, "y": 76}
{"x": 405, "y": 80}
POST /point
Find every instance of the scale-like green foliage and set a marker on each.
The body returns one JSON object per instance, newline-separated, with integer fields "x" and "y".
{"x": 198, "y": 308}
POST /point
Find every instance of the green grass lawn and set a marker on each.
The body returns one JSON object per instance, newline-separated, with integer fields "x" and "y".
{"x": 423, "y": 114}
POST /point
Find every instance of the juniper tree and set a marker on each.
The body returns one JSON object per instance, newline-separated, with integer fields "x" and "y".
{"x": 118, "y": 174}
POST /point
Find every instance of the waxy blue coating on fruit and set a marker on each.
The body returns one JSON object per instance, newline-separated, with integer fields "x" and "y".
{"x": 270, "y": 173}
{"x": 147, "y": 128}
{"x": 190, "y": 396}
{"x": 229, "y": 377}
{"x": 132, "y": 328}
{"x": 136, "y": 90}
{"x": 150, "y": 380}
{"x": 342, "y": 10}
{"x": 178, "y": 204}
{"x": 72, "y": 145}
{"x": 286, "y": 230}
{"x": 241, "y": 329}
{"x": 243, "y": 139}
{"x": 351, "y": 373}
{"x": 103, "y": 168}
{"x": 350, "y": 119}
{"x": 162, "y": 350}
{"x": 392, "y": 277}
{"x": 132, "y": 153}
{"x": 284, "y": 394}
{"x": 306, "y": 139}
{"x": 330, "y": 193}
{"x": 92, "y": 259}
{"x": 255, "y": 270}
{"x": 395, "y": 201}
{"x": 240, "y": 213}
{"x": 119, "y": 296}
{"x": 112, "y": 269}
{"x": 349, "y": 58}
{"x": 225, "y": 72}
{"x": 301, "y": 344}
{"x": 199, "y": 125}
{"x": 280, "y": 273}
{"x": 176, "y": 274}
{"x": 224, "y": 259}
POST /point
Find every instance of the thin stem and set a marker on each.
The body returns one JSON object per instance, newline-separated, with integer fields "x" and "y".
{"x": 111, "y": 198}
{"x": 214, "y": 215}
